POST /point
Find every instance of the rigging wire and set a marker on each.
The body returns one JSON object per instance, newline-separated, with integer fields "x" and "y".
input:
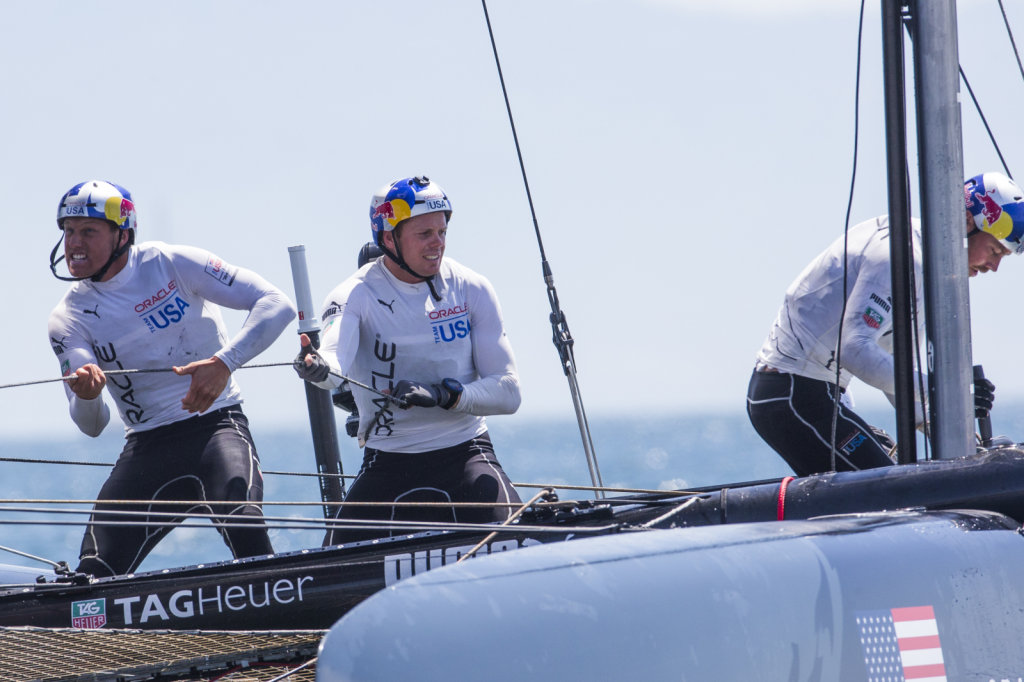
{"x": 846, "y": 234}
{"x": 54, "y": 564}
{"x": 1013, "y": 43}
{"x": 984, "y": 121}
{"x": 974, "y": 99}
{"x": 560, "y": 328}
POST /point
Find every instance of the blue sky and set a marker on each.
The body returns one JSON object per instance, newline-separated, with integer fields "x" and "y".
{"x": 685, "y": 160}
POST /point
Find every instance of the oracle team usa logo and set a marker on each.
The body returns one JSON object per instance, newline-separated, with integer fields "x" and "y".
{"x": 450, "y": 324}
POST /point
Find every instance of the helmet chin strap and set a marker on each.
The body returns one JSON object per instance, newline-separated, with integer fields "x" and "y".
{"x": 96, "y": 276}
{"x": 397, "y": 257}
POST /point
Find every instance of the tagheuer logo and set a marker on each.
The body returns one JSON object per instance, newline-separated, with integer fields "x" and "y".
{"x": 90, "y": 614}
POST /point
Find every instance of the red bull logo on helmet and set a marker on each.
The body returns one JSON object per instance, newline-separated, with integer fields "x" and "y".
{"x": 990, "y": 209}
{"x": 127, "y": 209}
{"x": 118, "y": 210}
{"x": 995, "y": 221}
{"x": 394, "y": 211}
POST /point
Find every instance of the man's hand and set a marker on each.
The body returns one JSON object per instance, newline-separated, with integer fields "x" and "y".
{"x": 424, "y": 395}
{"x": 209, "y": 377}
{"x": 308, "y": 364}
{"x": 89, "y": 382}
{"x": 984, "y": 396}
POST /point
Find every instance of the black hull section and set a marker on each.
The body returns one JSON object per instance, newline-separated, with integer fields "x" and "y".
{"x": 993, "y": 481}
{"x": 297, "y": 591}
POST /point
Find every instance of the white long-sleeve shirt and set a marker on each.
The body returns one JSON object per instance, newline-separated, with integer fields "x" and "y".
{"x": 379, "y": 330}
{"x": 161, "y": 311}
{"x": 803, "y": 338}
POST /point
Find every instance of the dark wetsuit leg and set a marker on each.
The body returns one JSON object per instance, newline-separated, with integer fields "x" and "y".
{"x": 230, "y": 471}
{"x": 793, "y": 414}
{"x": 210, "y": 457}
{"x": 467, "y": 472}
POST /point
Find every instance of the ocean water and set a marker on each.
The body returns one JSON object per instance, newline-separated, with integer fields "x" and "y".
{"x": 649, "y": 452}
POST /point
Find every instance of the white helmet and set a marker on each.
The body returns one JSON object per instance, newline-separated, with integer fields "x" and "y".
{"x": 96, "y": 199}
{"x": 997, "y": 204}
{"x": 404, "y": 199}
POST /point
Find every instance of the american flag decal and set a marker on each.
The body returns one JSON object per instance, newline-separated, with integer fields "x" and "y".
{"x": 902, "y": 644}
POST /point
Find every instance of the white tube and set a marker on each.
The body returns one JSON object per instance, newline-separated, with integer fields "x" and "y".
{"x": 308, "y": 321}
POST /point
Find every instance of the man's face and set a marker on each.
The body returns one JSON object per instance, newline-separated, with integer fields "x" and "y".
{"x": 88, "y": 244}
{"x": 421, "y": 240}
{"x": 984, "y": 253}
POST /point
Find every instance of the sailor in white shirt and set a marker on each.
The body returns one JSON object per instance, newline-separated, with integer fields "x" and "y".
{"x": 428, "y": 331}
{"x": 154, "y": 306}
{"x": 792, "y": 390}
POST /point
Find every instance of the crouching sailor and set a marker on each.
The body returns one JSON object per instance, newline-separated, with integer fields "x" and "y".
{"x": 153, "y": 306}
{"x": 803, "y": 363}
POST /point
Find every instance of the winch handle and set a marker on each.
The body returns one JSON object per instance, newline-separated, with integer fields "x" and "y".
{"x": 984, "y": 423}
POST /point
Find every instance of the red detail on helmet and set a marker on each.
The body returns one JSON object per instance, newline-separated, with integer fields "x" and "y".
{"x": 989, "y": 208}
{"x": 127, "y": 208}
{"x": 384, "y": 210}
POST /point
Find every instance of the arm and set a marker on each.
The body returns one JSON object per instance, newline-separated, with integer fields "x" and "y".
{"x": 496, "y": 388}
{"x": 867, "y": 328}
{"x": 229, "y": 286}
{"x": 88, "y": 410}
{"x": 270, "y": 311}
{"x": 87, "y": 407}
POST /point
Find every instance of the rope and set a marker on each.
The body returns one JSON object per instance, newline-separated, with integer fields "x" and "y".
{"x": 547, "y": 492}
{"x": 303, "y": 523}
{"x": 115, "y": 372}
{"x": 306, "y": 503}
{"x": 561, "y": 486}
{"x": 654, "y": 522}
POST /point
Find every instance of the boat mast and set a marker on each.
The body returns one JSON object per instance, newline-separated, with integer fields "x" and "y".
{"x": 941, "y": 170}
{"x": 901, "y": 254}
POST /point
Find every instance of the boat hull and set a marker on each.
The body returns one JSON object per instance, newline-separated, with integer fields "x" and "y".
{"x": 796, "y": 600}
{"x": 302, "y": 590}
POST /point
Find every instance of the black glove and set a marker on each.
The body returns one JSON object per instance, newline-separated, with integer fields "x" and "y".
{"x": 984, "y": 395}
{"x": 444, "y": 394}
{"x": 315, "y": 372}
